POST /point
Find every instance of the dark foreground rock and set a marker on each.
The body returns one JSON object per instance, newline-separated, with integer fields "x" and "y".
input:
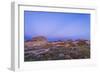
{"x": 57, "y": 53}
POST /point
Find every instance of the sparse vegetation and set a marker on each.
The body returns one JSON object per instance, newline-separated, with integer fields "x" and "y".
{"x": 59, "y": 50}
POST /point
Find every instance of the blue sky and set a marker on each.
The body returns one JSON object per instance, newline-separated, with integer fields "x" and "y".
{"x": 56, "y": 25}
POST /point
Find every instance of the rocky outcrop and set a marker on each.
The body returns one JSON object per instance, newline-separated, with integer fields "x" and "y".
{"x": 36, "y": 41}
{"x": 39, "y": 48}
{"x": 43, "y": 42}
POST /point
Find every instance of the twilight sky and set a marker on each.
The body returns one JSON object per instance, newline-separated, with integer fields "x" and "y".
{"x": 56, "y": 25}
